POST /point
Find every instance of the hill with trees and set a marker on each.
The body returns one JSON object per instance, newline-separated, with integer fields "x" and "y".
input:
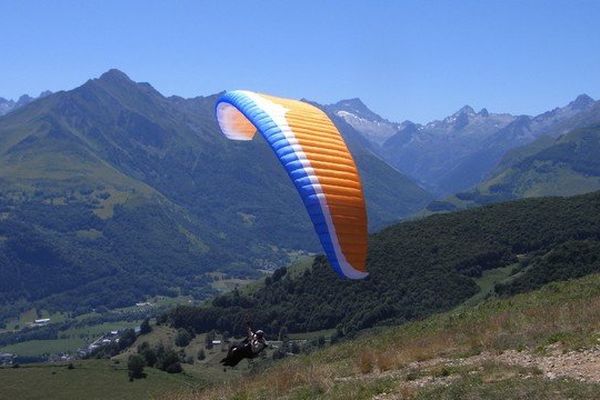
{"x": 420, "y": 267}
{"x": 530, "y": 346}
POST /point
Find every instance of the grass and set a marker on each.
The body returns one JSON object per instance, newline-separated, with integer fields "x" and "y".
{"x": 486, "y": 283}
{"x": 107, "y": 206}
{"x": 312, "y": 335}
{"x": 90, "y": 379}
{"x": 28, "y": 316}
{"x": 92, "y": 332}
{"x": 503, "y": 381}
{"x": 69, "y": 340}
{"x": 41, "y": 347}
{"x": 229, "y": 284}
{"x": 568, "y": 312}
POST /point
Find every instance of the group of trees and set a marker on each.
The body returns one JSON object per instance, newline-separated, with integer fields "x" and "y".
{"x": 159, "y": 357}
{"x": 418, "y": 268}
{"x": 568, "y": 260}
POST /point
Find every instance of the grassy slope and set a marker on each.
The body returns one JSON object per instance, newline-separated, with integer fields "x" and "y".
{"x": 94, "y": 379}
{"x": 566, "y": 313}
{"x": 400, "y": 361}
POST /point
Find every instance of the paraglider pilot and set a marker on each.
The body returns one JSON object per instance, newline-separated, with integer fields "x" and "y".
{"x": 249, "y": 348}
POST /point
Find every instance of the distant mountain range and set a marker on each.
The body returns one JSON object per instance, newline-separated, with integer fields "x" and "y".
{"x": 113, "y": 188}
{"x": 7, "y": 106}
{"x": 563, "y": 166}
{"x": 460, "y": 151}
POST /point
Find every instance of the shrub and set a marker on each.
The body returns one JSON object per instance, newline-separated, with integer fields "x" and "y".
{"x": 183, "y": 337}
{"x": 145, "y": 327}
{"x": 135, "y": 366}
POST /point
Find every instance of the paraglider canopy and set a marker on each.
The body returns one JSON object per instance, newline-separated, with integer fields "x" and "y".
{"x": 316, "y": 158}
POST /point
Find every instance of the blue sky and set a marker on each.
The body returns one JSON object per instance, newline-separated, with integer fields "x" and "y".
{"x": 417, "y": 60}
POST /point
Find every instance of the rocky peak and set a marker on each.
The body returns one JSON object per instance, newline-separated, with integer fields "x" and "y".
{"x": 356, "y": 107}
{"x": 582, "y": 101}
{"x": 114, "y": 75}
{"x": 24, "y": 99}
{"x": 468, "y": 110}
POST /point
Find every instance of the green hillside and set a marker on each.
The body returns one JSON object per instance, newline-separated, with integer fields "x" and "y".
{"x": 93, "y": 379}
{"x": 113, "y": 188}
{"x": 422, "y": 267}
{"x": 565, "y": 166}
{"x": 529, "y": 346}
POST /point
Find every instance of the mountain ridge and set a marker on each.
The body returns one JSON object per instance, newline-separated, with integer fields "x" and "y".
{"x": 453, "y": 154}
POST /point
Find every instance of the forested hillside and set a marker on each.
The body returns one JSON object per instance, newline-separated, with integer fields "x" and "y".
{"x": 421, "y": 267}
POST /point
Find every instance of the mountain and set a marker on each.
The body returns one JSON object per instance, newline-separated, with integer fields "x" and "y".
{"x": 391, "y": 194}
{"x": 365, "y": 121}
{"x": 460, "y": 151}
{"x": 422, "y": 267}
{"x": 112, "y": 187}
{"x": 561, "y": 166}
{"x": 7, "y": 106}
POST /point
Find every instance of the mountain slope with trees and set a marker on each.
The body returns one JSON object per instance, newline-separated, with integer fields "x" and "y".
{"x": 421, "y": 267}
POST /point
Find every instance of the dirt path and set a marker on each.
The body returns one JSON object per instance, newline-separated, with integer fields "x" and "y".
{"x": 580, "y": 365}
{"x": 554, "y": 364}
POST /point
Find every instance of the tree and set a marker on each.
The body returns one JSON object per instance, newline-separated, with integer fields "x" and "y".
{"x": 208, "y": 340}
{"x": 321, "y": 340}
{"x": 183, "y": 337}
{"x": 294, "y": 348}
{"x": 169, "y": 362}
{"x": 335, "y": 336}
{"x": 201, "y": 354}
{"x": 226, "y": 336}
{"x": 148, "y": 353}
{"x": 278, "y": 354}
{"x": 135, "y": 367}
{"x": 127, "y": 338}
{"x": 283, "y": 334}
{"x": 145, "y": 327}
{"x": 174, "y": 368}
{"x": 279, "y": 273}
